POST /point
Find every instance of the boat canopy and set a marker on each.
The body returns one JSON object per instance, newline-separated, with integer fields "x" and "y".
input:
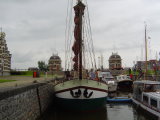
{"x": 146, "y": 82}
{"x": 123, "y": 78}
{"x": 153, "y": 95}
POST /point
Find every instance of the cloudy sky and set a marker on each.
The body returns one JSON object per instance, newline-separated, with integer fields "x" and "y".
{"x": 35, "y": 29}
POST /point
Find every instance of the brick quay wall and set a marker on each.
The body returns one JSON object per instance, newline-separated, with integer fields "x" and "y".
{"x": 25, "y": 102}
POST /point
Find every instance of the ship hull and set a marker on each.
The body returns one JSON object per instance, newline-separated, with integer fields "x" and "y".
{"x": 84, "y": 95}
{"x": 112, "y": 88}
{"x": 146, "y": 108}
{"x": 125, "y": 85}
{"x": 84, "y": 105}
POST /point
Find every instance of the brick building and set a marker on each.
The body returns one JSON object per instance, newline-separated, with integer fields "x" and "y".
{"x": 54, "y": 63}
{"x": 115, "y": 62}
{"x": 151, "y": 64}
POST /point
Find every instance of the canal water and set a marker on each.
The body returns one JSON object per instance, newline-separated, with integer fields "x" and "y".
{"x": 112, "y": 111}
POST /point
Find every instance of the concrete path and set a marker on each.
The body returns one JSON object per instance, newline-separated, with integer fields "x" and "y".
{"x": 21, "y": 80}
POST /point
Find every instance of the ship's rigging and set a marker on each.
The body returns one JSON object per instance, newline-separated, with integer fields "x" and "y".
{"x": 85, "y": 36}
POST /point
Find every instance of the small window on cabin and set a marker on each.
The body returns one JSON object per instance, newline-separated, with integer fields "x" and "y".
{"x": 149, "y": 88}
{"x": 157, "y": 87}
{"x": 154, "y": 103}
{"x": 145, "y": 98}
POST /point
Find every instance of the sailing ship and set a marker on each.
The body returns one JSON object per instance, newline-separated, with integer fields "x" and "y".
{"x": 80, "y": 93}
{"x": 146, "y": 93}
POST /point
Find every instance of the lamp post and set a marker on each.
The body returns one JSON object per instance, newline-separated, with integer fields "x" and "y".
{"x": 52, "y": 71}
{"x": 2, "y": 66}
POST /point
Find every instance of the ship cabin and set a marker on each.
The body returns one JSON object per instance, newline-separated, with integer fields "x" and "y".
{"x": 148, "y": 93}
{"x": 121, "y": 78}
{"x": 106, "y": 76}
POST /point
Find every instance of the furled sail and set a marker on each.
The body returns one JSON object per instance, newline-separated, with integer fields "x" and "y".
{"x": 77, "y": 46}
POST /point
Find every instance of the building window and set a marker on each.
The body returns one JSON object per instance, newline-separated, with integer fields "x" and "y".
{"x": 145, "y": 98}
{"x": 154, "y": 103}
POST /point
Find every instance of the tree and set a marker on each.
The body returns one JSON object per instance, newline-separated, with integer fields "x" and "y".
{"x": 42, "y": 66}
{"x": 129, "y": 71}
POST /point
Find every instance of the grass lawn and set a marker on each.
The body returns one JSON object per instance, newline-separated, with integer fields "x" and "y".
{"x": 2, "y": 80}
{"x": 22, "y": 73}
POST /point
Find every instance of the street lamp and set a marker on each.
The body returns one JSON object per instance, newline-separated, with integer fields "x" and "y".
{"x": 2, "y": 66}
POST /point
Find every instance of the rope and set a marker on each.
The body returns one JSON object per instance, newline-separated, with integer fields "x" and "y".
{"x": 66, "y": 36}
{"x": 87, "y": 43}
{"x": 69, "y": 34}
{"x": 91, "y": 36}
{"x": 89, "y": 40}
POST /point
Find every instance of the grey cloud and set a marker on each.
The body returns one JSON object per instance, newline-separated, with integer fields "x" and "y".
{"x": 21, "y": 57}
{"x": 36, "y": 28}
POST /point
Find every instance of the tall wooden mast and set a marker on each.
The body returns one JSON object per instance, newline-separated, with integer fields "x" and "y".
{"x": 77, "y": 47}
{"x": 146, "y": 51}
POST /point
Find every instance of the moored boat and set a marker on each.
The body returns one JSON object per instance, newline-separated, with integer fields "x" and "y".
{"x": 110, "y": 80}
{"x": 80, "y": 93}
{"x": 124, "y": 82}
{"x": 146, "y": 95}
{"x": 119, "y": 99}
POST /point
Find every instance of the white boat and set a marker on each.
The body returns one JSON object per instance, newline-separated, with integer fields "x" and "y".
{"x": 110, "y": 80}
{"x": 146, "y": 94}
{"x": 124, "y": 82}
{"x": 80, "y": 93}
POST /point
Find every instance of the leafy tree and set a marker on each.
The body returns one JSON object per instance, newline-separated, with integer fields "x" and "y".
{"x": 42, "y": 66}
{"x": 129, "y": 70}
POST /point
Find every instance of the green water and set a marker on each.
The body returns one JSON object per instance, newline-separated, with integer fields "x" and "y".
{"x": 111, "y": 112}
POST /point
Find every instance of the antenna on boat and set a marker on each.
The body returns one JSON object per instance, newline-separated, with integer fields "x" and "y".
{"x": 156, "y": 56}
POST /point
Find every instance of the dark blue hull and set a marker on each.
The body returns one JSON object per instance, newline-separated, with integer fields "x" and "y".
{"x": 80, "y": 104}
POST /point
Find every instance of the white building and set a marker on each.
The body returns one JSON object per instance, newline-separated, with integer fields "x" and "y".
{"x": 5, "y": 56}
